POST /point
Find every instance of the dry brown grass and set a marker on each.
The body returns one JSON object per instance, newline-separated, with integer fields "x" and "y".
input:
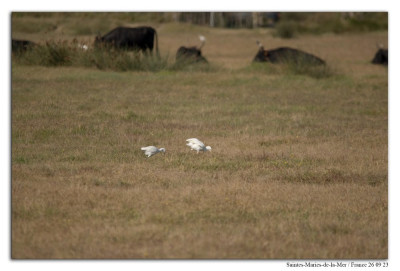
{"x": 298, "y": 167}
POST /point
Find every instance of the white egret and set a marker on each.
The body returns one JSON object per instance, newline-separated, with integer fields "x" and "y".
{"x": 152, "y": 150}
{"x": 197, "y": 145}
{"x": 203, "y": 41}
{"x": 83, "y": 47}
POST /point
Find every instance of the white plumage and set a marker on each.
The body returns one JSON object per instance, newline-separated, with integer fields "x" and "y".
{"x": 202, "y": 38}
{"x": 197, "y": 145}
{"x": 83, "y": 47}
{"x": 203, "y": 41}
{"x": 151, "y": 150}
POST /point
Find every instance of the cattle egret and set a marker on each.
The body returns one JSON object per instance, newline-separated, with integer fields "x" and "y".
{"x": 83, "y": 47}
{"x": 197, "y": 145}
{"x": 151, "y": 150}
{"x": 203, "y": 41}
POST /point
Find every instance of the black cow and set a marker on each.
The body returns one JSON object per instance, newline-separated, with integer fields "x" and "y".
{"x": 137, "y": 38}
{"x": 285, "y": 55}
{"x": 191, "y": 54}
{"x": 381, "y": 57}
{"x": 18, "y": 46}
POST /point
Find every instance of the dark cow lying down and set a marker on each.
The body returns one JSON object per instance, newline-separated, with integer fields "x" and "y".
{"x": 21, "y": 45}
{"x": 285, "y": 55}
{"x": 381, "y": 57}
{"x": 191, "y": 54}
{"x": 138, "y": 38}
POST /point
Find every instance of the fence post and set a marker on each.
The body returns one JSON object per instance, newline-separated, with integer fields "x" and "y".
{"x": 212, "y": 22}
{"x": 254, "y": 16}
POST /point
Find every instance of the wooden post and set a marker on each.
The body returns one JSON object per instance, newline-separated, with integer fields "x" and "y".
{"x": 254, "y": 16}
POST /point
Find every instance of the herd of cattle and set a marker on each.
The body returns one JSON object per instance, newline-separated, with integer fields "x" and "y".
{"x": 144, "y": 38}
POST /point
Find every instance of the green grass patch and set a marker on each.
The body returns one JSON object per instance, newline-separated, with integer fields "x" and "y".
{"x": 64, "y": 53}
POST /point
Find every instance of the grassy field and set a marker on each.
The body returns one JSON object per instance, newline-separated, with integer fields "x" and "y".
{"x": 298, "y": 168}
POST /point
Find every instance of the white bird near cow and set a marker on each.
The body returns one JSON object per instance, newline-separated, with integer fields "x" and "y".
{"x": 83, "y": 47}
{"x": 152, "y": 150}
{"x": 197, "y": 145}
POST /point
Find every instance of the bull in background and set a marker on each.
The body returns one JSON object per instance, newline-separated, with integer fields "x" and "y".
{"x": 130, "y": 38}
{"x": 191, "y": 54}
{"x": 19, "y": 46}
{"x": 381, "y": 56}
{"x": 285, "y": 55}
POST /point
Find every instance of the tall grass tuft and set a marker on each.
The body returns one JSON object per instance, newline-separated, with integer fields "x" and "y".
{"x": 63, "y": 53}
{"x": 286, "y": 30}
{"x": 192, "y": 66}
{"x": 52, "y": 53}
{"x": 122, "y": 60}
{"x": 304, "y": 68}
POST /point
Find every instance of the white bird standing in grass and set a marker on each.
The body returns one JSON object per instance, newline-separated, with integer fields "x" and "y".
{"x": 197, "y": 145}
{"x": 151, "y": 150}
